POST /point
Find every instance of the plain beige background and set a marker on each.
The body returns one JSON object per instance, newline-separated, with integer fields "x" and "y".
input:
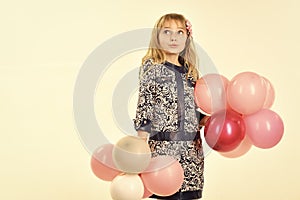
{"x": 43, "y": 45}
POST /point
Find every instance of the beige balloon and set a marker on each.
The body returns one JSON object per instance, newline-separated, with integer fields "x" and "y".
{"x": 127, "y": 187}
{"x": 131, "y": 154}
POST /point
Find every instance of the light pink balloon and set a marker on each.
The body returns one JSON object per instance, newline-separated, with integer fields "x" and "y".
{"x": 210, "y": 93}
{"x": 163, "y": 180}
{"x": 270, "y": 95}
{"x": 246, "y": 93}
{"x": 265, "y": 128}
{"x": 102, "y": 164}
{"x": 241, "y": 150}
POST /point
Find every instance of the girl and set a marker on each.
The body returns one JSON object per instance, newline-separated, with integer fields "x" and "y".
{"x": 166, "y": 112}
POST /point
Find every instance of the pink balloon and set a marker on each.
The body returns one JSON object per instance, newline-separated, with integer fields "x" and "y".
{"x": 265, "y": 128}
{"x": 246, "y": 93}
{"x": 241, "y": 150}
{"x": 210, "y": 93}
{"x": 147, "y": 193}
{"x": 270, "y": 96}
{"x": 162, "y": 179}
{"x": 224, "y": 130}
{"x": 102, "y": 164}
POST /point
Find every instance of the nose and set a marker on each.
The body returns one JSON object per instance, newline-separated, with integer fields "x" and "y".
{"x": 173, "y": 37}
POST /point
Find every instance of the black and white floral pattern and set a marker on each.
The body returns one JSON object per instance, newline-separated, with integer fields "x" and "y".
{"x": 189, "y": 154}
{"x": 166, "y": 105}
{"x": 158, "y": 100}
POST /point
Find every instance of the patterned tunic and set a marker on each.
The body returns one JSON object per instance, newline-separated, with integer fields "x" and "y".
{"x": 166, "y": 109}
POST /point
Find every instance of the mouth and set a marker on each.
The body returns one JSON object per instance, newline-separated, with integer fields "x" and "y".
{"x": 173, "y": 45}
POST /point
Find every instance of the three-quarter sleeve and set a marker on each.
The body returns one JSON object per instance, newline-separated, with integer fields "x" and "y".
{"x": 144, "y": 109}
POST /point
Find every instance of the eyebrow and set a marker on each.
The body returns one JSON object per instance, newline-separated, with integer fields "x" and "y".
{"x": 170, "y": 27}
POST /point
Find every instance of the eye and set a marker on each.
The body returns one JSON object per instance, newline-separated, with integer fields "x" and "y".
{"x": 180, "y": 32}
{"x": 168, "y": 32}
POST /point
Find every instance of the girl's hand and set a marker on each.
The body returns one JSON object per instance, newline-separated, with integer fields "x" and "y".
{"x": 203, "y": 121}
{"x": 143, "y": 134}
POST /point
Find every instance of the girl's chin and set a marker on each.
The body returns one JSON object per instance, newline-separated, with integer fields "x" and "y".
{"x": 172, "y": 52}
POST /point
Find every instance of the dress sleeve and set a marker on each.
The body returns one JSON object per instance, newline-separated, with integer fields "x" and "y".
{"x": 144, "y": 109}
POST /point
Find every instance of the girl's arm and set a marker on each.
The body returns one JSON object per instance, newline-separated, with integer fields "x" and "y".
{"x": 142, "y": 123}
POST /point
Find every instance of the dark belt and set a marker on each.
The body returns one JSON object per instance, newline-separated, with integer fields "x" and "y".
{"x": 174, "y": 136}
{"x": 188, "y": 195}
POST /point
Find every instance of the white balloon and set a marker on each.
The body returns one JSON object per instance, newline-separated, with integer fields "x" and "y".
{"x": 131, "y": 154}
{"x": 127, "y": 187}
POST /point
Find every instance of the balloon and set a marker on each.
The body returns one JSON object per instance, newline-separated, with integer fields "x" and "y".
{"x": 224, "y": 130}
{"x": 270, "y": 96}
{"x": 131, "y": 154}
{"x": 147, "y": 193}
{"x": 102, "y": 164}
{"x": 246, "y": 93}
{"x": 210, "y": 93}
{"x": 265, "y": 128}
{"x": 127, "y": 187}
{"x": 164, "y": 176}
{"x": 242, "y": 149}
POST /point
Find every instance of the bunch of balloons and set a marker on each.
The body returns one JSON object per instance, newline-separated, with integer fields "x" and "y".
{"x": 133, "y": 173}
{"x": 240, "y": 114}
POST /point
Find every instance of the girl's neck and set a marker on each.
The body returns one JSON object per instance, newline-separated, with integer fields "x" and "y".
{"x": 173, "y": 58}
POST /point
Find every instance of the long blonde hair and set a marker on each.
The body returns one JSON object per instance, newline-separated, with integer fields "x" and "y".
{"x": 188, "y": 54}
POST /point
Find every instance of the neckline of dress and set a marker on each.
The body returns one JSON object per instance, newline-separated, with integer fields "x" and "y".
{"x": 178, "y": 68}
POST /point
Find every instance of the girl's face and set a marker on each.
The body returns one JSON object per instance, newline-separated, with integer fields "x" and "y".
{"x": 172, "y": 37}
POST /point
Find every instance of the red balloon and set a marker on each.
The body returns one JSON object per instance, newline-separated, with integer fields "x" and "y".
{"x": 102, "y": 164}
{"x": 241, "y": 150}
{"x": 224, "y": 130}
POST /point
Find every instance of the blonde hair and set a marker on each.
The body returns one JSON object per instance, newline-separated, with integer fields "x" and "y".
{"x": 188, "y": 54}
